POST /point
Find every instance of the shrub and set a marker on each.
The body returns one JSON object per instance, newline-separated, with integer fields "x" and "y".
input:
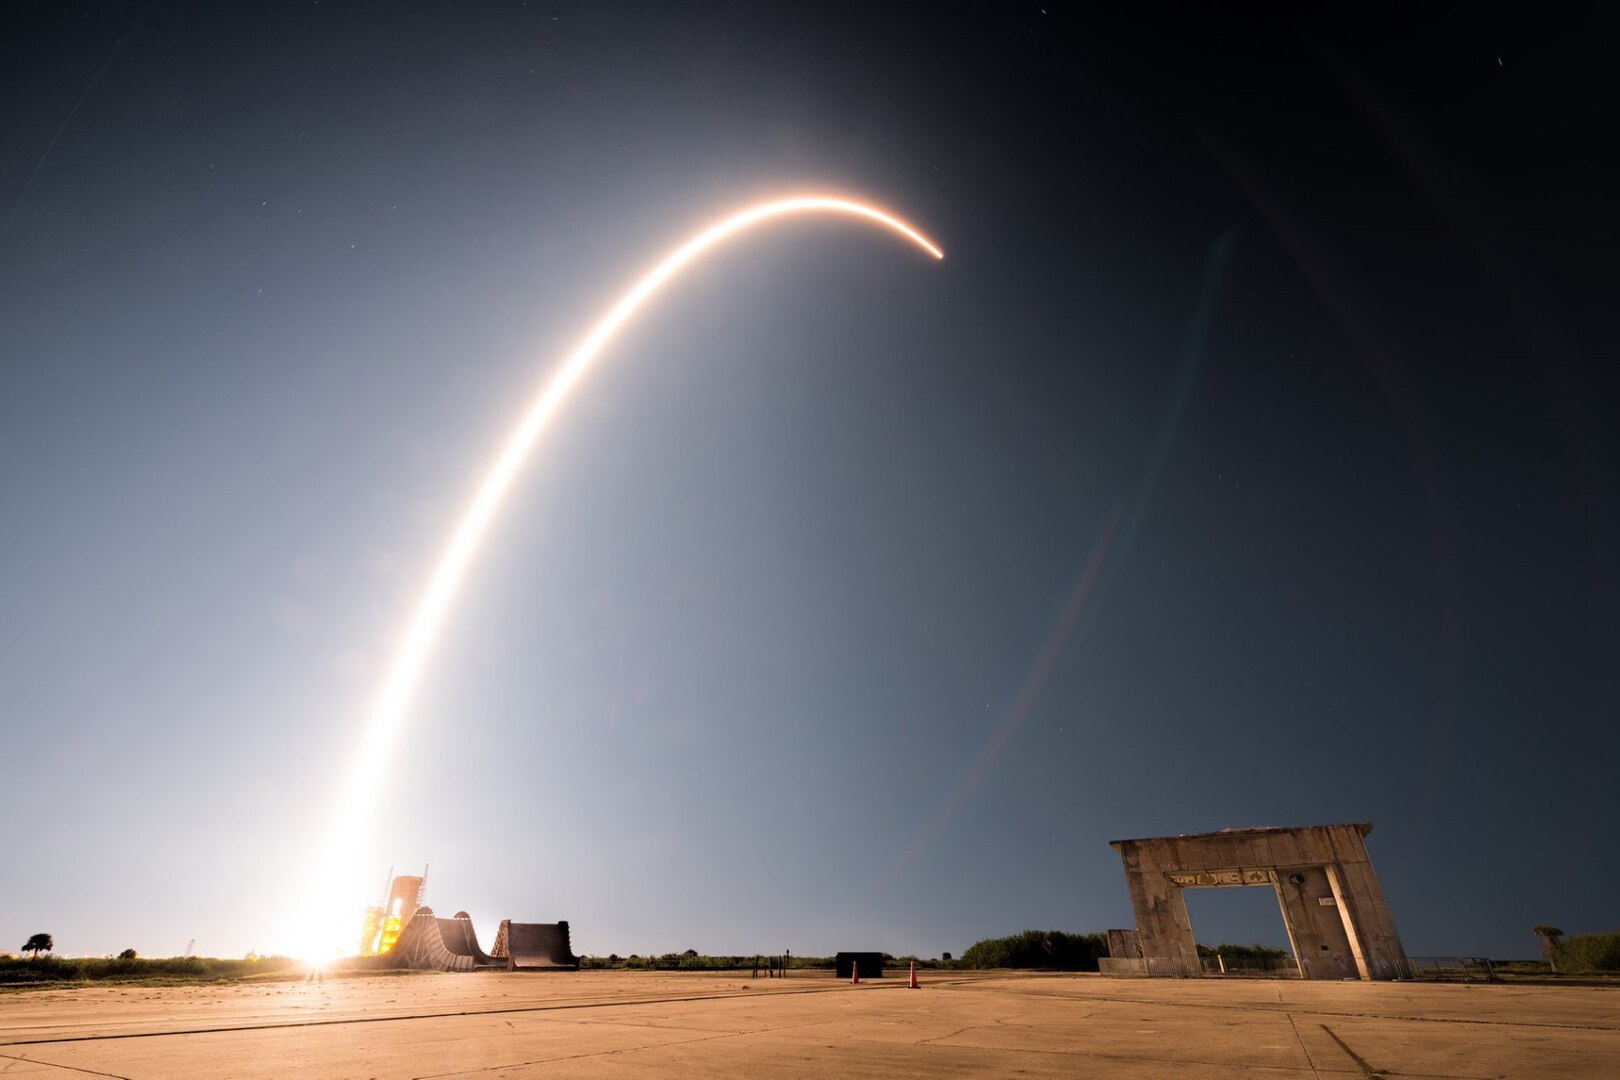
{"x": 1044, "y": 950}
{"x": 1244, "y": 952}
{"x": 47, "y": 969}
{"x": 1589, "y": 952}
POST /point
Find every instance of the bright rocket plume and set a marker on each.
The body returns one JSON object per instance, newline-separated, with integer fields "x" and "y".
{"x": 337, "y": 892}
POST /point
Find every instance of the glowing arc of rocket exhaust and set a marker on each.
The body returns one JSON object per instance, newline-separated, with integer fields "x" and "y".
{"x": 421, "y": 632}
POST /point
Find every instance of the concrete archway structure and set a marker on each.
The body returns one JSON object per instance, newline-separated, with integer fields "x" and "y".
{"x": 1334, "y": 909}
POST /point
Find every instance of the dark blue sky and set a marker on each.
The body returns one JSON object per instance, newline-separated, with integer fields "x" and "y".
{"x": 1250, "y": 460}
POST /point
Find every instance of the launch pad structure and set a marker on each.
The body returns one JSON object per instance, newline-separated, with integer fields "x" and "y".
{"x": 402, "y": 932}
{"x": 1333, "y": 906}
{"x": 429, "y": 943}
{"x": 383, "y": 922}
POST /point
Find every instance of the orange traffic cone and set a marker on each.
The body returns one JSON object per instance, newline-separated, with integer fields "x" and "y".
{"x": 913, "y": 983}
{"x": 854, "y": 971}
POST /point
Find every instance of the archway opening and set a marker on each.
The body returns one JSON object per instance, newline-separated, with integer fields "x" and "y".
{"x": 1240, "y": 930}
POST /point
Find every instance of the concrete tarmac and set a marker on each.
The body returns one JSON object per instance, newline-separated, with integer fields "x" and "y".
{"x": 613, "y": 1024}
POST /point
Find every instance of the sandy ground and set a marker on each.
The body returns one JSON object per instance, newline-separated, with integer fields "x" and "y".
{"x": 612, "y": 1024}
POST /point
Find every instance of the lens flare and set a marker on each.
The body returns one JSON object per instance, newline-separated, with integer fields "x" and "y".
{"x": 335, "y": 898}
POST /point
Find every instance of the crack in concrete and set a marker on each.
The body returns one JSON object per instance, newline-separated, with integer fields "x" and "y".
{"x": 55, "y": 1065}
{"x": 574, "y": 1057}
{"x": 551, "y": 1007}
{"x": 1302, "y": 1047}
{"x": 1366, "y": 1069}
{"x": 1309, "y": 1012}
{"x": 619, "y": 1050}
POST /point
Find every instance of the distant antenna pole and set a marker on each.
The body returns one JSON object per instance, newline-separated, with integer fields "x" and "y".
{"x": 387, "y": 881}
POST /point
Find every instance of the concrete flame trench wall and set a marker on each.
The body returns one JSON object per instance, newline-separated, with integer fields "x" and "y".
{"x": 1332, "y": 905}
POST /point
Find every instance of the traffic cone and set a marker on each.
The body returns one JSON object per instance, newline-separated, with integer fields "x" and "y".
{"x": 913, "y": 983}
{"x": 854, "y": 971}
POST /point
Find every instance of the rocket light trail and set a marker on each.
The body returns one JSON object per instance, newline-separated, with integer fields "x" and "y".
{"x": 336, "y": 887}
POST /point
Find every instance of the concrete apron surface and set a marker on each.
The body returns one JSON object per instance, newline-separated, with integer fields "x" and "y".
{"x": 727, "y": 1025}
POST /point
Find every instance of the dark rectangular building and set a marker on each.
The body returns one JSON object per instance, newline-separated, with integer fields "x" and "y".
{"x": 871, "y": 964}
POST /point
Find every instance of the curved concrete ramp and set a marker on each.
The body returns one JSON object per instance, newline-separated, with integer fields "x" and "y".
{"x": 534, "y": 947}
{"x": 429, "y": 943}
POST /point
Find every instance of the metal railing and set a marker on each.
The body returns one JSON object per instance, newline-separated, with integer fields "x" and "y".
{"x": 1422, "y": 968}
{"x": 1170, "y": 967}
{"x": 1451, "y": 968}
{"x": 1270, "y": 967}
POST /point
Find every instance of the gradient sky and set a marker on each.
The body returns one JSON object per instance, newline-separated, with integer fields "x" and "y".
{"x": 1251, "y": 459}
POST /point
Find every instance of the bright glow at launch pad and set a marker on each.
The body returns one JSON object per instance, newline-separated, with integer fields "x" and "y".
{"x": 336, "y": 894}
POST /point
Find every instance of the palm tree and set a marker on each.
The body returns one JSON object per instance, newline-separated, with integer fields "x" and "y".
{"x": 39, "y": 943}
{"x": 1549, "y": 936}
